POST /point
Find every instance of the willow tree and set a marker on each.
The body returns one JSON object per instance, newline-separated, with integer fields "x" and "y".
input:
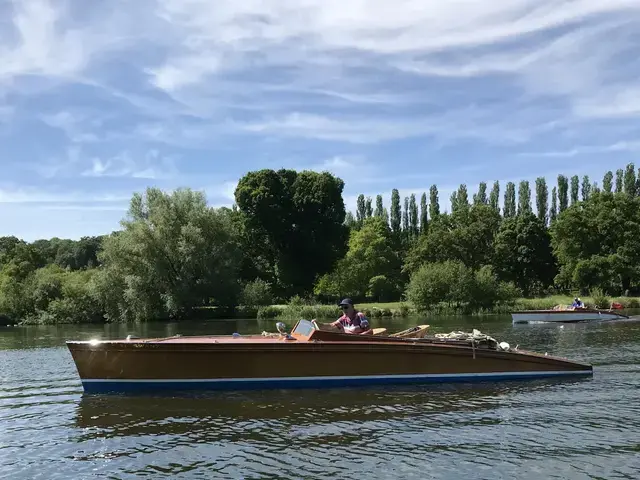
{"x": 174, "y": 253}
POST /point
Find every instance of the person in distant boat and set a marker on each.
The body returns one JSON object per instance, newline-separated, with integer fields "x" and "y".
{"x": 352, "y": 321}
{"x": 577, "y": 303}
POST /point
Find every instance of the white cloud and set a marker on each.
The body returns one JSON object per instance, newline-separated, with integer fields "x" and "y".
{"x": 150, "y": 166}
{"x": 74, "y": 124}
{"x": 623, "y": 146}
{"x": 42, "y": 195}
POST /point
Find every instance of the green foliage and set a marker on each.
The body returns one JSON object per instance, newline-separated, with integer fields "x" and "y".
{"x": 600, "y": 300}
{"x": 481, "y": 196}
{"x": 597, "y": 243}
{"x": 257, "y": 293}
{"x": 268, "y": 312}
{"x": 297, "y": 219}
{"x": 370, "y": 255}
{"x": 619, "y": 180}
{"x": 523, "y": 253}
{"x": 553, "y": 211}
{"x": 586, "y": 188}
{"x": 424, "y": 213}
{"x": 575, "y": 188}
{"x": 524, "y": 198}
{"x": 607, "y": 182}
{"x": 289, "y": 236}
{"x": 466, "y": 236}
{"x": 563, "y": 193}
{"x": 395, "y": 215}
{"x": 434, "y": 202}
{"x": 453, "y": 283}
{"x": 542, "y": 199}
{"x": 173, "y": 254}
{"x": 510, "y": 200}
{"x": 629, "y": 186}
{"x": 414, "y": 219}
{"x": 494, "y": 196}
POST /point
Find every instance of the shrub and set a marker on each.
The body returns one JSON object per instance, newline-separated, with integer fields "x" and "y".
{"x": 600, "y": 300}
{"x": 257, "y": 293}
{"x": 632, "y": 303}
{"x": 404, "y": 310}
{"x": 268, "y": 312}
{"x": 452, "y": 282}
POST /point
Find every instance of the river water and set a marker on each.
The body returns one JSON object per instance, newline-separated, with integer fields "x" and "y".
{"x": 567, "y": 429}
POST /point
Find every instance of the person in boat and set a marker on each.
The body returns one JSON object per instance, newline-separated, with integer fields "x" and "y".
{"x": 352, "y": 321}
{"x": 577, "y": 303}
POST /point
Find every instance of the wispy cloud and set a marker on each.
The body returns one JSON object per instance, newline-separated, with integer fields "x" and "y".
{"x": 117, "y": 95}
{"x": 625, "y": 146}
{"x": 42, "y": 195}
{"x": 151, "y": 166}
{"x": 74, "y": 125}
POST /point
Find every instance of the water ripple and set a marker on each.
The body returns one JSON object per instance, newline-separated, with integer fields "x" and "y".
{"x": 565, "y": 429}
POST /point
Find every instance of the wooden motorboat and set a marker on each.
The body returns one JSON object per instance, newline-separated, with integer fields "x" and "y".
{"x": 306, "y": 357}
{"x": 565, "y": 315}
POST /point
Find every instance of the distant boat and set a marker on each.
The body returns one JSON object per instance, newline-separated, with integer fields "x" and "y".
{"x": 566, "y": 315}
{"x": 306, "y": 357}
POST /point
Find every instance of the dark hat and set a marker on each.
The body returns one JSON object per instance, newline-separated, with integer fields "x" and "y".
{"x": 346, "y": 301}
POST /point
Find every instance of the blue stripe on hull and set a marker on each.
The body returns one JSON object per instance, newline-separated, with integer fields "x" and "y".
{"x": 133, "y": 386}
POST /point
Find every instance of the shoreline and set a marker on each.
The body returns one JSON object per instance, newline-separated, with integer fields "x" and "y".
{"x": 370, "y": 309}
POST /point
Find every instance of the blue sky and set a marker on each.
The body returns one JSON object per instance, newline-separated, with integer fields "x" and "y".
{"x": 104, "y": 98}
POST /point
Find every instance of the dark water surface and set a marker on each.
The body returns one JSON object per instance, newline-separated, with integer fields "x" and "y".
{"x": 569, "y": 428}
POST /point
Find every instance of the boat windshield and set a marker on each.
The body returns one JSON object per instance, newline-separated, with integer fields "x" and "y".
{"x": 304, "y": 328}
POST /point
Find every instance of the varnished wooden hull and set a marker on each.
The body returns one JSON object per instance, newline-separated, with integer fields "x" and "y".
{"x": 257, "y": 363}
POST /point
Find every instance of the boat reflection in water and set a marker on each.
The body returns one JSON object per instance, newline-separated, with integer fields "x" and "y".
{"x": 308, "y": 357}
{"x": 217, "y": 415}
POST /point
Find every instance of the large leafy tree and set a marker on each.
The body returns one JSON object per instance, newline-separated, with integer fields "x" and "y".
{"x": 174, "y": 253}
{"x": 603, "y": 231}
{"x": 465, "y": 235}
{"x": 523, "y": 253}
{"x": 370, "y": 269}
{"x": 299, "y": 219}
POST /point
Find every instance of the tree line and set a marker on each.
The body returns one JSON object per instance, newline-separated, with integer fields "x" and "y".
{"x": 288, "y": 235}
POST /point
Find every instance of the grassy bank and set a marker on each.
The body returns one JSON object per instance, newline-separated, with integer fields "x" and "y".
{"x": 297, "y": 311}
{"x": 403, "y": 309}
